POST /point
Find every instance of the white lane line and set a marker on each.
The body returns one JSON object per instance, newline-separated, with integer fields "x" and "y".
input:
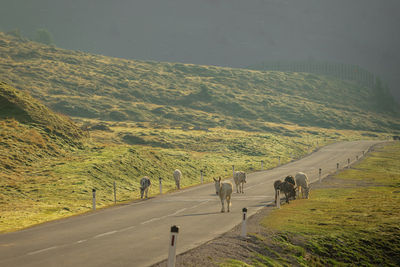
{"x": 152, "y": 220}
{"x": 104, "y": 234}
{"x": 163, "y": 217}
{"x": 127, "y": 228}
{"x": 81, "y": 241}
{"x": 178, "y": 211}
{"x": 195, "y": 206}
{"x": 40, "y": 251}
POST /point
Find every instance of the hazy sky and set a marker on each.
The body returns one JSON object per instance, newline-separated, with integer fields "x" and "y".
{"x": 235, "y": 33}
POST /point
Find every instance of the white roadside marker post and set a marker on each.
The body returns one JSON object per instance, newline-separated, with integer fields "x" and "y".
{"x": 115, "y": 194}
{"x": 160, "y": 184}
{"x": 201, "y": 176}
{"x": 244, "y": 227}
{"x": 94, "y": 198}
{"x": 233, "y": 171}
{"x": 172, "y": 246}
{"x": 278, "y": 199}
{"x": 319, "y": 174}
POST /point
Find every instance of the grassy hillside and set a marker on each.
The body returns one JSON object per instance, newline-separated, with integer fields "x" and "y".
{"x": 30, "y": 131}
{"x": 49, "y": 166}
{"x": 91, "y": 86}
{"x": 147, "y": 118}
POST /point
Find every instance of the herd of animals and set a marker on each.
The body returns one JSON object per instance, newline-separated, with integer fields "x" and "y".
{"x": 289, "y": 186}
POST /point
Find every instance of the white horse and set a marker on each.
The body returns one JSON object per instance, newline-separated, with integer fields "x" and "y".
{"x": 302, "y": 184}
{"x": 224, "y": 191}
{"x": 177, "y": 177}
{"x": 240, "y": 180}
{"x": 144, "y": 186}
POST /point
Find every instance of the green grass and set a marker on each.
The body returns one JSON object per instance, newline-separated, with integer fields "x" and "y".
{"x": 353, "y": 225}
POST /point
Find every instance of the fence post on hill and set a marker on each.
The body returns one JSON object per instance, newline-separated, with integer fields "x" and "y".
{"x": 357, "y": 157}
{"x": 319, "y": 174}
{"x": 262, "y": 165}
{"x": 172, "y": 246}
{"x": 244, "y": 227}
{"x": 115, "y": 193}
{"x": 337, "y": 167}
{"x": 201, "y": 176}
{"x": 363, "y": 152}
{"x": 94, "y": 198}
{"x": 233, "y": 171}
{"x": 348, "y": 163}
{"x": 160, "y": 184}
{"x": 279, "y": 160}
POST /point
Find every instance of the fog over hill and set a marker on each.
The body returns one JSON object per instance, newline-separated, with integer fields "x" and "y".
{"x": 221, "y": 32}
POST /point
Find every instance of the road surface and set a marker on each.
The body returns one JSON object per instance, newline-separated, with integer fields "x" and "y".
{"x": 137, "y": 234}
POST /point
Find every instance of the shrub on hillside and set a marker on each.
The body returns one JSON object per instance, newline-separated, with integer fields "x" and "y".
{"x": 43, "y": 36}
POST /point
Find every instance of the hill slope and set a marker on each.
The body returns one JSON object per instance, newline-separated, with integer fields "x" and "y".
{"x": 91, "y": 86}
{"x": 30, "y": 131}
{"x": 44, "y": 177}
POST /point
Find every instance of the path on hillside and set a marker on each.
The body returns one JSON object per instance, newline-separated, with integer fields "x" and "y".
{"x": 137, "y": 234}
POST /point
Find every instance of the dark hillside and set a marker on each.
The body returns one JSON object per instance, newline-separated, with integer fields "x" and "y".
{"x": 91, "y": 86}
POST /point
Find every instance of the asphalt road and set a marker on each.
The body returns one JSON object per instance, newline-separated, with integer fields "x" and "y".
{"x": 137, "y": 234}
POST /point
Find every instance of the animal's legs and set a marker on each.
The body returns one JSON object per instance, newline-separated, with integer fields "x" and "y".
{"x": 223, "y": 207}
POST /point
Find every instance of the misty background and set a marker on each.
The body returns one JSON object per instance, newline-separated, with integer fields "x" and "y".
{"x": 232, "y": 33}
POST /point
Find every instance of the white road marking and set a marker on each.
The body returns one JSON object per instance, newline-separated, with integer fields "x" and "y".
{"x": 178, "y": 211}
{"x": 152, "y": 220}
{"x": 104, "y": 234}
{"x": 40, "y": 251}
{"x": 81, "y": 241}
{"x": 195, "y": 206}
{"x": 127, "y": 228}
